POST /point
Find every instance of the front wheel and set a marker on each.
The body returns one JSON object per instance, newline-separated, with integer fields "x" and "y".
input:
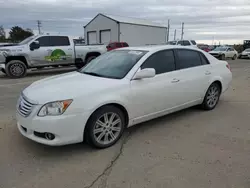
{"x": 223, "y": 57}
{"x": 16, "y": 69}
{"x": 234, "y": 57}
{"x": 212, "y": 96}
{"x": 105, "y": 127}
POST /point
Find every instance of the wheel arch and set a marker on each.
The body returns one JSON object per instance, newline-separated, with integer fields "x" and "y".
{"x": 92, "y": 54}
{"x": 20, "y": 58}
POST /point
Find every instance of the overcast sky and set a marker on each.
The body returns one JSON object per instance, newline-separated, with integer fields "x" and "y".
{"x": 227, "y": 21}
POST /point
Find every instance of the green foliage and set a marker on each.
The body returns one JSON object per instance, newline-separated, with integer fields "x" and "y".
{"x": 2, "y": 34}
{"x": 18, "y": 34}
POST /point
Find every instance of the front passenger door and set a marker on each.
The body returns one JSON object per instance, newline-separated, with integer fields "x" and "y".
{"x": 152, "y": 95}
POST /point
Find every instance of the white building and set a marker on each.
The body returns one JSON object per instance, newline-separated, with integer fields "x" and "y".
{"x": 109, "y": 28}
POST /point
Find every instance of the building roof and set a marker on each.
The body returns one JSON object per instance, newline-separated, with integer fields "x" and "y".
{"x": 129, "y": 20}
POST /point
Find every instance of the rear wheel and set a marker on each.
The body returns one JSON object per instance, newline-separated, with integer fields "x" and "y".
{"x": 16, "y": 69}
{"x": 105, "y": 127}
{"x": 212, "y": 96}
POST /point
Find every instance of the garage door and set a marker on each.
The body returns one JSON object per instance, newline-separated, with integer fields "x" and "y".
{"x": 92, "y": 38}
{"x": 105, "y": 36}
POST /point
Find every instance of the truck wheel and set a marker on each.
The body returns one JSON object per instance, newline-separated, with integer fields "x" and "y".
{"x": 90, "y": 58}
{"x": 16, "y": 69}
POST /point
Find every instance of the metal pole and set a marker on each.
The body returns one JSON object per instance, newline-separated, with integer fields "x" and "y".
{"x": 39, "y": 26}
{"x": 168, "y": 30}
{"x": 175, "y": 34}
{"x": 182, "y": 30}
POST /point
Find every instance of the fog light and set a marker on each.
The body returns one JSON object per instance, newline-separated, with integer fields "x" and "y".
{"x": 49, "y": 136}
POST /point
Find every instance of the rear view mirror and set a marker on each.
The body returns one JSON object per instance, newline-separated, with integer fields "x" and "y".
{"x": 34, "y": 45}
{"x": 144, "y": 73}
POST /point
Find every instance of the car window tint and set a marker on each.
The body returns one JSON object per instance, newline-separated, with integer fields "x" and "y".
{"x": 187, "y": 59}
{"x": 193, "y": 42}
{"x": 186, "y": 43}
{"x": 59, "y": 41}
{"x": 162, "y": 62}
{"x": 118, "y": 45}
{"x": 112, "y": 45}
{"x": 180, "y": 42}
{"x": 43, "y": 41}
{"x": 125, "y": 44}
{"x": 204, "y": 60}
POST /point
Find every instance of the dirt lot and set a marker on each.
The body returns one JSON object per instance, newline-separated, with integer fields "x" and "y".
{"x": 189, "y": 149}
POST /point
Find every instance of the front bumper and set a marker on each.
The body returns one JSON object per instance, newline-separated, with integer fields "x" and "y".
{"x": 2, "y": 66}
{"x": 68, "y": 129}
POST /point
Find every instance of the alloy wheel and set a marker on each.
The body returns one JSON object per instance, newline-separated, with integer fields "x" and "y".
{"x": 213, "y": 95}
{"x": 107, "y": 128}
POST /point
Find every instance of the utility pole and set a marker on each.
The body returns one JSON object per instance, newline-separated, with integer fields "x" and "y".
{"x": 168, "y": 30}
{"x": 39, "y": 26}
{"x": 174, "y": 34}
{"x": 182, "y": 30}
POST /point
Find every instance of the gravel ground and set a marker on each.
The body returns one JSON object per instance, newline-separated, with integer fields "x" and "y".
{"x": 188, "y": 149}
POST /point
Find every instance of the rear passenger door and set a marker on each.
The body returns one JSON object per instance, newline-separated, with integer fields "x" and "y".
{"x": 194, "y": 73}
{"x": 60, "y": 51}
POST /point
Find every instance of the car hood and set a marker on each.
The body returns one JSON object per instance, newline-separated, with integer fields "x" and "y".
{"x": 66, "y": 86}
{"x": 245, "y": 53}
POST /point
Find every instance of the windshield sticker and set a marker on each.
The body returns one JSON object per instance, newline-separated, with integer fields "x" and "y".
{"x": 135, "y": 52}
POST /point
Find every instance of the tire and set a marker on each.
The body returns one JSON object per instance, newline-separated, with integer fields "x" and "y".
{"x": 90, "y": 58}
{"x": 16, "y": 69}
{"x": 97, "y": 134}
{"x": 223, "y": 57}
{"x": 234, "y": 57}
{"x": 212, "y": 97}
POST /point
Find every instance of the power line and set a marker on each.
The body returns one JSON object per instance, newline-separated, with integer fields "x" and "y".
{"x": 39, "y": 25}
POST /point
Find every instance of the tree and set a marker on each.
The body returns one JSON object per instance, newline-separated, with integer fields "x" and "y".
{"x": 18, "y": 34}
{"x": 2, "y": 34}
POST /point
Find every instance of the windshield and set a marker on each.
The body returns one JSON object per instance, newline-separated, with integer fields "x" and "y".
{"x": 27, "y": 40}
{"x": 114, "y": 64}
{"x": 220, "y": 49}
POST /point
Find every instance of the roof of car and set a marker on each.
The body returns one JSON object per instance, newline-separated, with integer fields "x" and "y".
{"x": 158, "y": 47}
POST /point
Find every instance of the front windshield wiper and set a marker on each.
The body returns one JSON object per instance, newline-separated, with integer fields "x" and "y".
{"x": 93, "y": 74}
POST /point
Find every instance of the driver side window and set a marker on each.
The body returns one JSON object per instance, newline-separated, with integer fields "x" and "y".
{"x": 44, "y": 41}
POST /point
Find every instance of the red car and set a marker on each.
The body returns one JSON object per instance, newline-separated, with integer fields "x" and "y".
{"x": 204, "y": 47}
{"x": 115, "y": 45}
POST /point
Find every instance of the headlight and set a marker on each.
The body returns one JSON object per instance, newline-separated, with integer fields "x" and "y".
{"x": 54, "y": 108}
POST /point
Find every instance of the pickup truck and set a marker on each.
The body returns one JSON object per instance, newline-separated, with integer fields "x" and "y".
{"x": 44, "y": 51}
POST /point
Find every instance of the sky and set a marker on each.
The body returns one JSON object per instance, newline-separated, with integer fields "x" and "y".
{"x": 206, "y": 21}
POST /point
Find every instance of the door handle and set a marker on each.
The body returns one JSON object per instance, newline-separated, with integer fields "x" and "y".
{"x": 49, "y": 50}
{"x": 207, "y": 73}
{"x": 175, "y": 80}
{"x": 70, "y": 49}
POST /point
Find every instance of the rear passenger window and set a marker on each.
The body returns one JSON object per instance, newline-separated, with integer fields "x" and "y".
{"x": 186, "y": 43}
{"x": 125, "y": 44}
{"x": 193, "y": 42}
{"x": 162, "y": 62}
{"x": 204, "y": 60}
{"x": 118, "y": 45}
{"x": 187, "y": 59}
{"x": 59, "y": 41}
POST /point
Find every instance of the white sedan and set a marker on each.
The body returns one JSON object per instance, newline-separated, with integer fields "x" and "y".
{"x": 223, "y": 53}
{"x": 119, "y": 89}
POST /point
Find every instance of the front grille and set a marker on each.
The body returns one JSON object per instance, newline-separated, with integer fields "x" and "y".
{"x": 24, "y": 106}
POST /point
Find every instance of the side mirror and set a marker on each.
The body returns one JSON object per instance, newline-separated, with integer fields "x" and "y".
{"x": 34, "y": 45}
{"x": 144, "y": 73}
